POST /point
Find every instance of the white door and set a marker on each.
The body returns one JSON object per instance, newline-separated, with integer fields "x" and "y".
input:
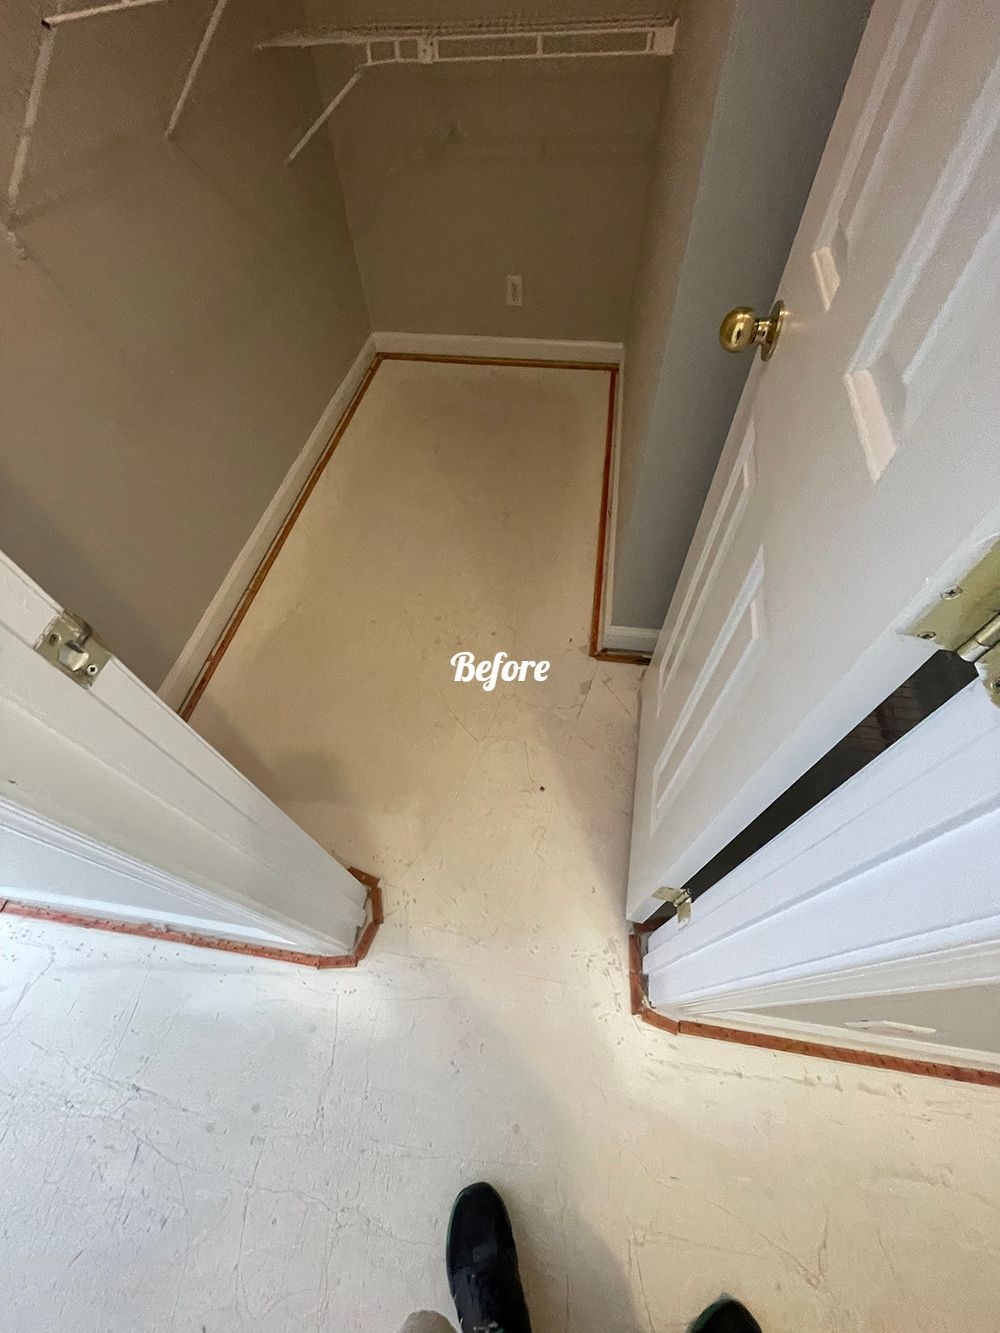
{"x": 110, "y": 805}
{"x": 862, "y": 468}
{"x": 875, "y": 915}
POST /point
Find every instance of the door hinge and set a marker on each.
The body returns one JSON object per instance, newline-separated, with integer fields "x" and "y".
{"x": 70, "y": 644}
{"x": 679, "y": 898}
{"x": 965, "y": 619}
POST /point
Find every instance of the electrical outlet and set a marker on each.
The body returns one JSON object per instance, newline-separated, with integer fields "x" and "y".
{"x": 515, "y": 289}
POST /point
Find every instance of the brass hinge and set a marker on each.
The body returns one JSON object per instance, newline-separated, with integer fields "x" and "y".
{"x": 70, "y": 644}
{"x": 679, "y": 898}
{"x": 965, "y": 619}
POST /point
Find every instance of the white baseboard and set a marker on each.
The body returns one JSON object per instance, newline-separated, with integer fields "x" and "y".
{"x": 618, "y": 638}
{"x": 184, "y": 672}
{"x": 628, "y": 639}
{"x": 514, "y": 349}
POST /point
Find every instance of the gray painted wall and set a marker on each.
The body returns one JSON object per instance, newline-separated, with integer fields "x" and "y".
{"x": 753, "y": 90}
{"x": 185, "y": 315}
{"x": 455, "y": 176}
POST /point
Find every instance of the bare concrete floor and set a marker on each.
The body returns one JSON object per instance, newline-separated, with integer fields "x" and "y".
{"x": 201, "y": 1141}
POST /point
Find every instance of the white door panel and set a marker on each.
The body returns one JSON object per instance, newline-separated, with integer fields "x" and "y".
{"x": 861, "y": 467}
{"x": 116, "y": 766}
{"x": 887, "y": 887}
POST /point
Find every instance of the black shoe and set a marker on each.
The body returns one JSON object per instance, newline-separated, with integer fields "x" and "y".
{"x": 482, "y": 1264}
{"x": 726, "y": 1316}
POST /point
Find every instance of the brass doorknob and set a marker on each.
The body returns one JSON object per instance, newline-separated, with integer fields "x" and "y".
{"x": 742, "y": 328}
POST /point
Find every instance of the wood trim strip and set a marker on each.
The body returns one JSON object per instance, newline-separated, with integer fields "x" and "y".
{"x": 602, "y": 526}
{"x": 151, "y": 932}
{"x": 846, "y": 1054}
{"x": 628, "y": 659}
{"x": 261, "y": 572}
{"x": 636, "y": 989}
{"x": 376, "y": 914}
{"x": 500, "y": 361}
{"x": 596, "y": 651}
{"x": 684, "y": 1027}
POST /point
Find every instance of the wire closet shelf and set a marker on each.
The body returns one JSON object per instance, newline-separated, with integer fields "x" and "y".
{"x": 488, "y": 40}
{"x": 375, "y": 46}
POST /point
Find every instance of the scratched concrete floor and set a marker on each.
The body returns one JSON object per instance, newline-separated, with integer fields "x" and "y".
{"x": 192, "y": 1141}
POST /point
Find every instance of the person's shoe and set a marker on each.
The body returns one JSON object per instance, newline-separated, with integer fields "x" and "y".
{"x": 725, "y": 1316}
{"x": 482, "y": 1264}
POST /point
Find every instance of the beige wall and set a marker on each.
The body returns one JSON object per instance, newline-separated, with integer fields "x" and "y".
{"x": 455, "y": 176}
{"x": 186, "y": 312}
{"x": 753, "y": 90}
